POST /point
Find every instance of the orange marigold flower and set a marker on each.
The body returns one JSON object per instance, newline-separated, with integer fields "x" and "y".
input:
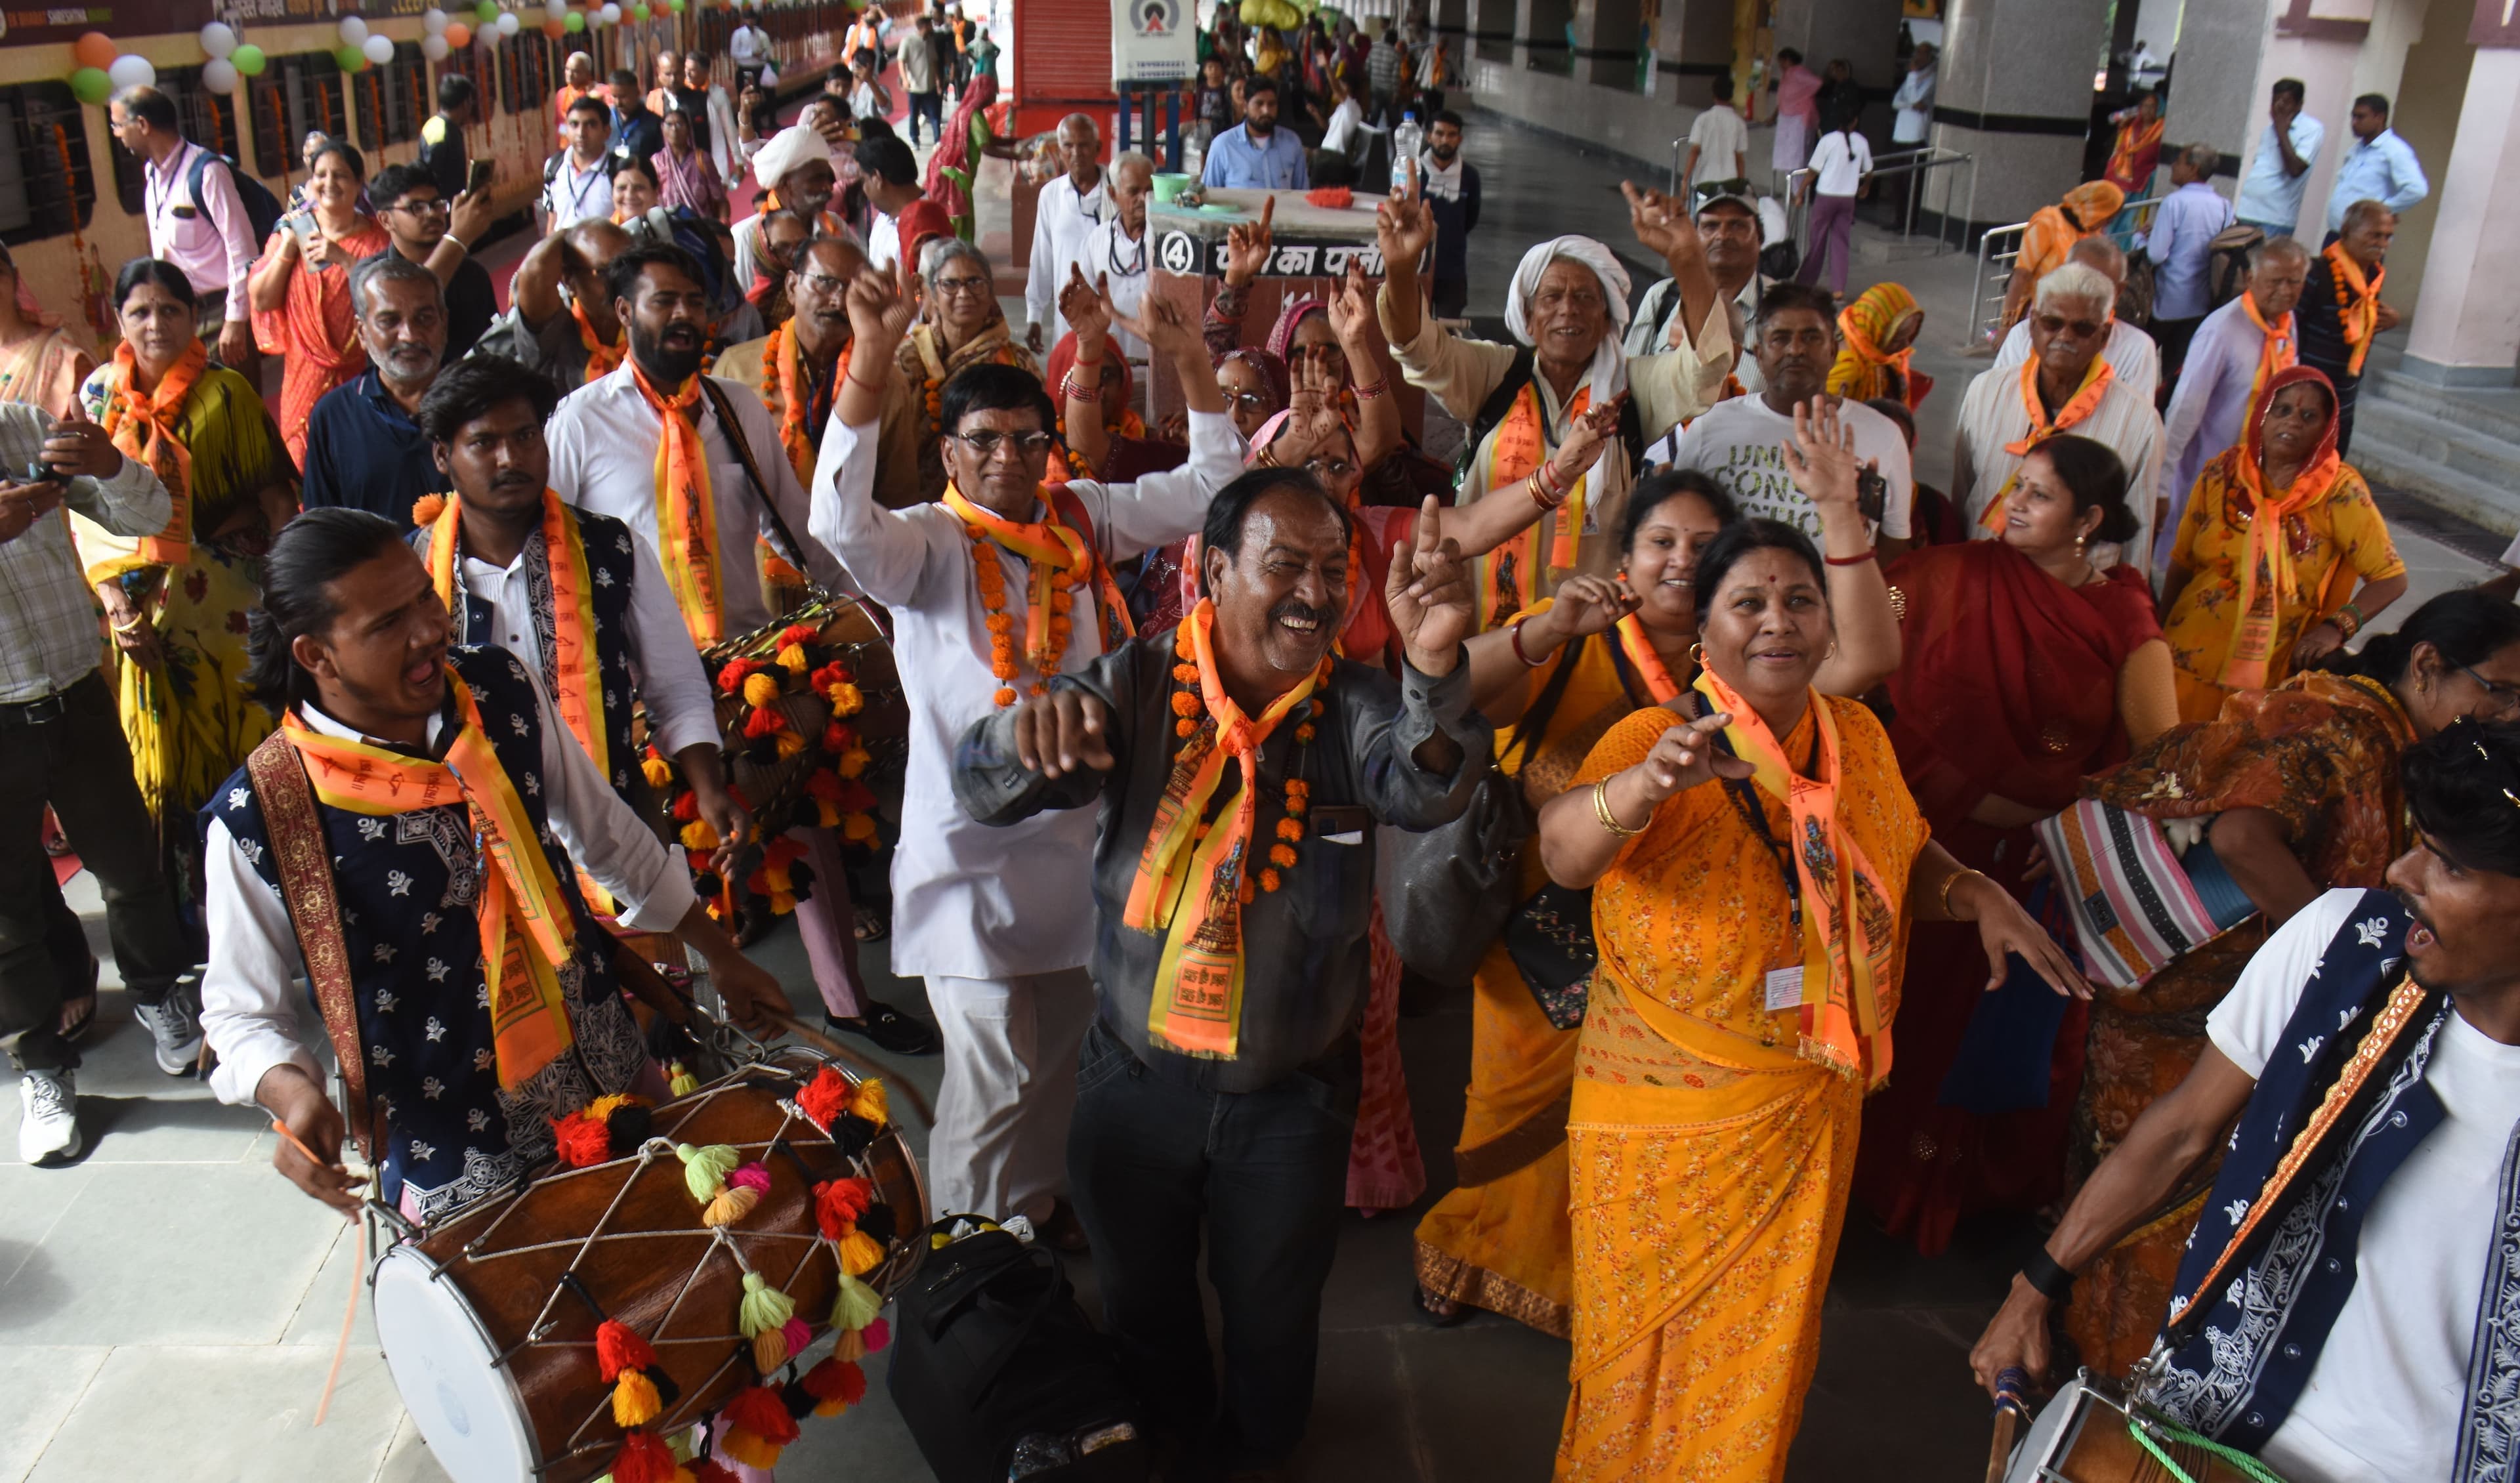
{"x": 1290, "y": 829}
{"x": 1268, "y": 879}
{"x": 1185, "y": 729}
{"x": 1304, "y": 735}
{"x": 1188, "y": 674}
{"x": 1283, "y": 855}
{"x": 1185, "y": 704}
{"x": 1005, "y": 697}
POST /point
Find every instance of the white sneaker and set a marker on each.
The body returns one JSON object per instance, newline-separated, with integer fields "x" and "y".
{"x": 177, "y": 1026}
{"x": 50, "y": 1129}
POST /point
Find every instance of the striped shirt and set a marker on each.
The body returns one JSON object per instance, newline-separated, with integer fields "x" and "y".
{"x": 50, "y": 638}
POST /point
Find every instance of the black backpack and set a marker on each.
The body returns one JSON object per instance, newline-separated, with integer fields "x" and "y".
{"x": 2227, "y": 262}
{"x": 261, "y": 208}
{"x": 1001, "y": 1377}
{"x": 1631, "y": 431}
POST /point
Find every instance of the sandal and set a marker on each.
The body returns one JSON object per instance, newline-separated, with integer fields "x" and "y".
{"x": 871, "y": 924}
{"x": 1435, "y": 1311}
{"x": 79, "y": 1013}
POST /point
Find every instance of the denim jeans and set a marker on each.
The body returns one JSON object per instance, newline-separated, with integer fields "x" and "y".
{"x": 1154, "y": 1161}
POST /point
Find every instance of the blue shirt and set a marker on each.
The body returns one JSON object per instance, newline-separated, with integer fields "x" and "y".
{"x": 2180, "y": 243}
{"x": 2380, "y": 168}
{"x": 2268, "y": 196}
{"x": 1235, "y": 162}
{"x": 364, "y": 452}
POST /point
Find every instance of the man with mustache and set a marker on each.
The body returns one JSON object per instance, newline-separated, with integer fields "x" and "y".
{"x": 797, "y": 167}
{"x": 995, "y": 590}
{"x": 1729, "y": 236}
{"x": 796, "y": 371}
{"x": 364, "y": 447}
{"x": 2343, "y": 1310}
{"x": 560, "y": 318}
{"x": 1237, "y": 770}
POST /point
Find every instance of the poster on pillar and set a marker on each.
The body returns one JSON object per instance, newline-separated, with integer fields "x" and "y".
{"x": 1154, "y": 41}
{"x": 1648, "y": 26}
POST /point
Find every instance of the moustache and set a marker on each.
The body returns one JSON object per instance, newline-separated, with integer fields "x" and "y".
{"x": 1296, "y": 608}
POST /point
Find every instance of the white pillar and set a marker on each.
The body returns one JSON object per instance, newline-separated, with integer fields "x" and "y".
{"x": 2467, "y": 323}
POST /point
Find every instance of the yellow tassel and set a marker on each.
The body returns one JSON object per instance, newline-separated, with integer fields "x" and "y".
{"x": 782, "y": 903}
{"x": 769, "y": 1350}
{"x": 635, "y": 1401}
{"x": 683, "y": 1082}
{"x": 749, "y": 1448}
{"x": 846, "y": 700}
{"x": 658, "y": 772}
{"x": 871, "y": 1102}
{"x": 858, "y": 829}
{"x": 854, "y": 761}
{"x": 760, "y": 691}
{"x": 731, "y": 1205}
{"x": 793, "y": 660}
{"x": 596, "y": 1111}
{"x": 860, "y": 1253}
{"x": 699, "y": 835}
{"x": 789, "y": 743}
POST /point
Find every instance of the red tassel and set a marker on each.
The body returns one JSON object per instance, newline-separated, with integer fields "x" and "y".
{"x": 876, "y": 1333}
{"x": 763, "y": 721}
{"x": 825, "y": 1097}
{"x": 618, "y": 1347}
{"x": 644, "y": 1458}
{"x": 687, "y": 807}
{"x": 757, "y": 1426}
{"x": 581, "y": 1142}
{"x": 836, "y": 1385}
{"x": 711, "y": 1470}
{"x": 823, "y": 783}
{"x": 798, "y": 633}
{"x": 731, "y": 679}
{"x": 837, "y": 1204}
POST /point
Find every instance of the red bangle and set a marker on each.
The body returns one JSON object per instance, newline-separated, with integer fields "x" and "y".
{"x": 1854, "y": 560}
{"x": 1513, "y": 636}
{"x": 1368, "y": 394}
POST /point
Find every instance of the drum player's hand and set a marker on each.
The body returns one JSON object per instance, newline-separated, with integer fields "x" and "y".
{"x": 2016, "y": 1340}
{"x": 1064, "y": 732}
{"x": 297, "y": 1100}
{"x": 744, "y": 987}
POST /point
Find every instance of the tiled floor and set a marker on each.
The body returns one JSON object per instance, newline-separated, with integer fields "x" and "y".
{"x": 169, "y": 1305}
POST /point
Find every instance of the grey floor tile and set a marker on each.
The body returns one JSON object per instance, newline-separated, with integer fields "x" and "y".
{"x": 227, "y": 1414}
{"x": 1485, "y": 1400}
{"x": 33, "y": 1202}
{"x": 43, "y": 1385}
{"x": 408, "y": 1459}
{"x": 318, "y": 1319}
{"x": 1360, "y": 1430}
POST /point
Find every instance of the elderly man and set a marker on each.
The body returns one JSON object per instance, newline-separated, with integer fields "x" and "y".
{"x": 2181, "y": 246}
{"x": 2269, "y": 197}
{"x": 1913, "y": 104}
{"x": 1115, "y": 254}
{"x": 2378, "y": 165}
{"x": 364, "y": 446}
{"x": 2132, "y": 353}
{"x": 2236, "y": 349}
{"x": 1729, "y": 238}
{"x": 436, "y": 229}
{"x": 1000, "y": 922}
{"x": 1567, "y": 304}
{"x": 1218, "y": 1085}
{"x": 576, "y": 81}
{"x": 559, "y": 320}
{"x": 1256, "y": 153}
{"x": 2341, "y": 312}
{"x": 1070, "y": 209}
{"x": 2360, "y": 1088}
{"x": 2068, "y": 384}
{"x": 797, "y": 165}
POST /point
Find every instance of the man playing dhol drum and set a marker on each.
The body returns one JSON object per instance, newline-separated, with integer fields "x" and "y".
{"x": 408, "y": 834}
{"x": 2349, "y": 1306}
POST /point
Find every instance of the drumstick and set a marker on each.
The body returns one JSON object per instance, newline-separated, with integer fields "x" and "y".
{"x": 897, "y": 1085}
{"x": 2008, "y": 1412}
{"x": 358, "y": 1267}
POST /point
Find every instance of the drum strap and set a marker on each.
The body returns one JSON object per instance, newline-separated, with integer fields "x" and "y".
{"x": 791, "y": 551}
{"x": 306, "y": 887}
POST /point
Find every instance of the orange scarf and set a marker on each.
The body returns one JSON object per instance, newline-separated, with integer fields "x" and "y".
{"x": 1639, "y": 649}
{"x": 686, "y": 510}
{"x": 1197, "y": 1004}
{"x": 527, "y": 930}
{"x": 1849, "y": 922}
{"x": 2135, "y": 139}
{"x": 2268, "y": 582}
{"x": 2278, "y": 352}
{"x": 2078, "y": 406}
{"x": 788, "y": 390}
{"x": 143, "y": 426}
{"x": 1058, "y": 556}
{"x": 601, "y": 359}
{"x": 2358, "y": 302}
{"x": 1515, "y": 450}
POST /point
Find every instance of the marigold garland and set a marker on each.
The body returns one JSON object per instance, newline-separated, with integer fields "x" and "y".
{"x": 991, "y": 577}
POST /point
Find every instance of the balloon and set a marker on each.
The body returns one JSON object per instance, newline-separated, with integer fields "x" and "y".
{"x": 487, "y": 11}
{"x": 218, "y": 38}
{"x": 509, "y": 24}
{"x": 676, "y": 6}
{"x": 351, "y": 59}
{"x": 556, "y": 9}
{"x": 131, "y": 72}
{"x": 576, "y": 22}
{"x": 93, "y": 50}
{"x": 352, "y": 31}
{"x": 433, "y": 47}
{"x": 219, "y": 75}
{"x": 639, "y": 13}
{"x": 612, "y": 15}
{"x": 458, "y": 36}
{"x": 433, "y": 22}
{"x": 90, "y": 85}
{"x": 250, "y": 60}
{"x": 380, "y": 50}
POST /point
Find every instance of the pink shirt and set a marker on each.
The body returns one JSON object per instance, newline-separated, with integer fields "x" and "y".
{"x": 211, "y": 240}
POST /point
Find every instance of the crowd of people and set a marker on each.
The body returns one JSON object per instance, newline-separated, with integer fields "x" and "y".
{"x": 413, "y": 683}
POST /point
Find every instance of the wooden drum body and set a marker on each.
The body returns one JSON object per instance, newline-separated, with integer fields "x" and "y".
{"x": 2086, "y": 1434}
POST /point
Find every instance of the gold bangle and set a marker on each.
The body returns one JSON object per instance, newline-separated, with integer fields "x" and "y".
{"x": 1952, "y": 879}
{"x": 1606, "y": 819}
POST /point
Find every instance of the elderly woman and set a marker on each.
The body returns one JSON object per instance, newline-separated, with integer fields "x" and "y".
{"x": 2052, "y": 232}
{"x": 2277, "y": 534}
{"x": 2066, "y": 385}
{"x": 176, "y": 602}
{"x": 686, "y": 177}
{"x": 300, "y": 289}
{"x": 1740, "y": 1012}
{"x": 1876, "y": 342}
{"x": 959, "y": 324}
{"x": 1567, "y": 304}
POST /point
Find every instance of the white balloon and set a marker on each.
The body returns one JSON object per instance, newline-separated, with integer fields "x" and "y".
{"x": 556, "y": 10}
{"x": 218, "y": 38}
{"x": 508, "y": 23}
{"x": 612, "y": 15}
{"x": 380, "y": 50}
{"x": 432, "y": 21}
{"x": 219, "y": 75}
{"x": 353, "y": 30}
{"x": 131, "y": 72}
{"x": 433, "y": 48}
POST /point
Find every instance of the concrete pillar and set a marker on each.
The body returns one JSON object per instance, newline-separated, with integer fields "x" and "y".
{"x": 1606, "y": 33}
{"x": 2467, "y": 323}
{"x": 1697, "y": 48}
{"x": 1865, "y": 33}
{"x": 1540, "y": 34}
{"x": 1492, "y": 26}
{"x": 2016, "y": 92}
{"x": 2215, "y": 95}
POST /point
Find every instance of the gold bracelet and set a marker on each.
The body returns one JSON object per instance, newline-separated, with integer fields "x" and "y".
{"x": 1607, "y": 820}
{"x": 1952, "y": 879}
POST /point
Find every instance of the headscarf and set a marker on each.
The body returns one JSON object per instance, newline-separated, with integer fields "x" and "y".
{"x": 2092, "y": 202}
{"x": 1863, "y": 327}
{"x": 1608, "y": 375}
{"x": 2257, "y": 617}
{"x": 977, "y": 93}
{"x": 918, "y": 221}
{"x": 1063, "y": 359}
{"x": 793, "y": 146}
{"x": 1272, "y": 368}
{"x": 1282, "y": 334}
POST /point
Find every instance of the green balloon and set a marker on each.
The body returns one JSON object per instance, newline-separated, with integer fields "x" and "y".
{"x": 248, "y": 60}
{"x": 351, "y": 59}
{"x": 576, "y": 20}
{"x": 89, "y": 84}
{"x": 639, "y": 13}
{"x": 488, "y": 11}
{"x": 676, "y": 6}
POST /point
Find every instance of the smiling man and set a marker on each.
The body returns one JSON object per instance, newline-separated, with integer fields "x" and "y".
{"x": 2369, "y": 1055}
{"x": 1237, "y": 771}
{"x": 364, "y": 447}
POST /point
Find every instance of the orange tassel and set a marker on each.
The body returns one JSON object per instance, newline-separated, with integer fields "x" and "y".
{"x": 644, "y": 1458}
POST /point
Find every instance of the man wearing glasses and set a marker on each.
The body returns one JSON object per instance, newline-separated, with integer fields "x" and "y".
{"x": 993, "y": 591}
{"x": 437, "y": 233}
{"x": 803, "y": 362}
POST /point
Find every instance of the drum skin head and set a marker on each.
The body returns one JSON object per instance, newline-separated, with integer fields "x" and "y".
{"x": 466, "y": 1412}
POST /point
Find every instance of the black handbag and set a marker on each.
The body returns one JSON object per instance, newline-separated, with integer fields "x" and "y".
{"x": 1549, "y": 938}
{"x": 1445, "y": 891}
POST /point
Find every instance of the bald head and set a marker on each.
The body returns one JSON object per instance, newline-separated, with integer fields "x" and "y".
{"x": 2101, "y": 256}
{"x": 595, "y": 244}
{"x": 1080, "y": 148}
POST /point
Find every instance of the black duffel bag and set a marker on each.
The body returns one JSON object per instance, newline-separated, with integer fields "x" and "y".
{"x": 1001, "y": 1375}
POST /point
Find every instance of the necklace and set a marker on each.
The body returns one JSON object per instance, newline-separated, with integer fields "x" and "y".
{"x": 1192, "y": 716}
{"x": 992, "y": 576}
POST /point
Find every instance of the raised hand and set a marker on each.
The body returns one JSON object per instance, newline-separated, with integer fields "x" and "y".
{"x": 1662, "y": 225}
{"x": 1352, "y": 311}
{"x": 1167, "y": 329}
{"x": 1247, "y": 244}
{"x": 1820, "y": 458}
{"x": 1404, "y": 226}
{"x": 1587, "y": 605}
{"x": 1064, "y": 732}
{"x": 1685, "y": 756}
{"x": 470, "y": 216}
{"x": 1087, "y": 308}
{"x": 1586, "y": 437}
{"x": 880, "y": 314}
{"x": 1429, "y": 595}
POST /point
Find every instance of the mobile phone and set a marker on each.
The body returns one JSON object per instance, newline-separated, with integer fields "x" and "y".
{"x": 480, "y": 176}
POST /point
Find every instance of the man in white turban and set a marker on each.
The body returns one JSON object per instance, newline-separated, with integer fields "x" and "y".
{"x": 1568, "y": 305}
{"x": 796, "y": 167}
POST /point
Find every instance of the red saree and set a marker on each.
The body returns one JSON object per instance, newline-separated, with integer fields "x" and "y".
{"x": 316, "y": 332}
{"x": 2010, "y": 688}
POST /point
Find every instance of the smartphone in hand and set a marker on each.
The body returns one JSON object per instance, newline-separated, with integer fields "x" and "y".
{"x": 479, "y": 175}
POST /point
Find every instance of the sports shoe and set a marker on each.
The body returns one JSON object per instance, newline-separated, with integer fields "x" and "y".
{"x": 176, "y": 1025}
{"x": 50, "y": 1130}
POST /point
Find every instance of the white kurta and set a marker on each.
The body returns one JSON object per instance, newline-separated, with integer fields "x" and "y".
{"x": 1061, "y": 218}
{"x": 1992, "y": 417}
{"x": 1109, "y": 255}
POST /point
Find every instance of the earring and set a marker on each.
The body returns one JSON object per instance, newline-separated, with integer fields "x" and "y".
{"x": 2078, "y": 544}
{"x": 1832, "y": 652}
{"x": 1697, "y": 654}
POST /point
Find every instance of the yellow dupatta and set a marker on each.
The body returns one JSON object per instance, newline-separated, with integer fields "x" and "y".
{"x": 686, "y": 510}
{"x": 2268, "y": 581}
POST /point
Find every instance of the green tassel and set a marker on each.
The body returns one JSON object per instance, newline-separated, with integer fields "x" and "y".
{"x": 705, "y": 1169}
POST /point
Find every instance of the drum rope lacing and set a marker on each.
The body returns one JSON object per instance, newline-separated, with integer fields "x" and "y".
{"x": 2143, "y": 1430}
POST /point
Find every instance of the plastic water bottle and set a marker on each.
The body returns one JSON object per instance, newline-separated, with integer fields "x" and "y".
{"x": 1405, "y": 141}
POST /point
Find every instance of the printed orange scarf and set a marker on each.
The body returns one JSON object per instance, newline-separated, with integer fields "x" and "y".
{"x": 1058, "y": 556}
{"x": 1638, "y": 645}
{"x": 2267, "y": 583}
{"x": 1197, "y": 1004}
{"x": 1849, "y": 923}
{"x": 2358, "y": 302}
{"x": 1515, "y": 450}
{"x": 527, "y": 930}
{"x": 789, "y": 392}
{"x": 2278, "y": 352}
{"x": 2077, "y": 408}
{"x": 2137, "y": 143}
{"x": 601, "y": 359}
{"x": 143, "y": 425}
{"x": 686, "y": 510}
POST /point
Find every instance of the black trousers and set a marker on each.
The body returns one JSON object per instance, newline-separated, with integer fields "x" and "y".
{"x": 1154, "y": 1163}
{"x": 930, "y": 107}
{"x": 77, "y": 762}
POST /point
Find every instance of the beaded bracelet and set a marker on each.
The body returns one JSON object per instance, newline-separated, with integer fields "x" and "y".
{"x": 1075, "y": 392}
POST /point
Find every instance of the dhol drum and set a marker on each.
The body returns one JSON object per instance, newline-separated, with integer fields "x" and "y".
{"x": 488, "y": 1319}
{"x": 2089, "y": 1434}
{"x": 847, "y": 648}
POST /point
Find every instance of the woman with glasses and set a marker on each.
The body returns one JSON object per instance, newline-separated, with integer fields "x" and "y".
{"x": 2280, "y": 557}
{"x": 300, "y": 289}
{"x": 2297, "y": 789}
{"x": 960, "y": 326}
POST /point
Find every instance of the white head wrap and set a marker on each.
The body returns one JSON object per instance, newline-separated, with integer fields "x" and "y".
{"x": 1608, "y": 375}
{"x": 793, "y": 146}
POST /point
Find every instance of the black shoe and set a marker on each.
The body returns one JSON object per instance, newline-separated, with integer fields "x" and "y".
{"x": 890, "y": 1030}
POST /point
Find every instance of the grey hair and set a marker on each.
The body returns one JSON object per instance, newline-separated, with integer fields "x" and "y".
{"x": 2076, "y": 282}
{"x": 1086, "y": 119}
{"x": 391, "y": 265}
{"x": 2203, "y": 158}
{"x": 2361, "y": 211}
{"x": 2278, "y": 247}
{"x": 1133, "y": 156}
{"x": 937, "y": 251}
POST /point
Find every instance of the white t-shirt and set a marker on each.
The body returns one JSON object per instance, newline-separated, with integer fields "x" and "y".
{"x": 1345, "y": 119}
{"x": 1722, "y": 144}
{"x": 1841, "y": 160}
{"x": 1738, "y": 444}
{"x": 747, "y": 44}
{"x": 2384, "y": 1399}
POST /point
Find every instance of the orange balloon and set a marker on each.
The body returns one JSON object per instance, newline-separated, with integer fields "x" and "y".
{"x": 458, "y": 36}
{"x": 555, "y": 29}
{"x": 95, "y": 49}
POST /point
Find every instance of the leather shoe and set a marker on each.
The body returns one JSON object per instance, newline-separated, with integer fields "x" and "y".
{"x": 891, "y": 1029}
